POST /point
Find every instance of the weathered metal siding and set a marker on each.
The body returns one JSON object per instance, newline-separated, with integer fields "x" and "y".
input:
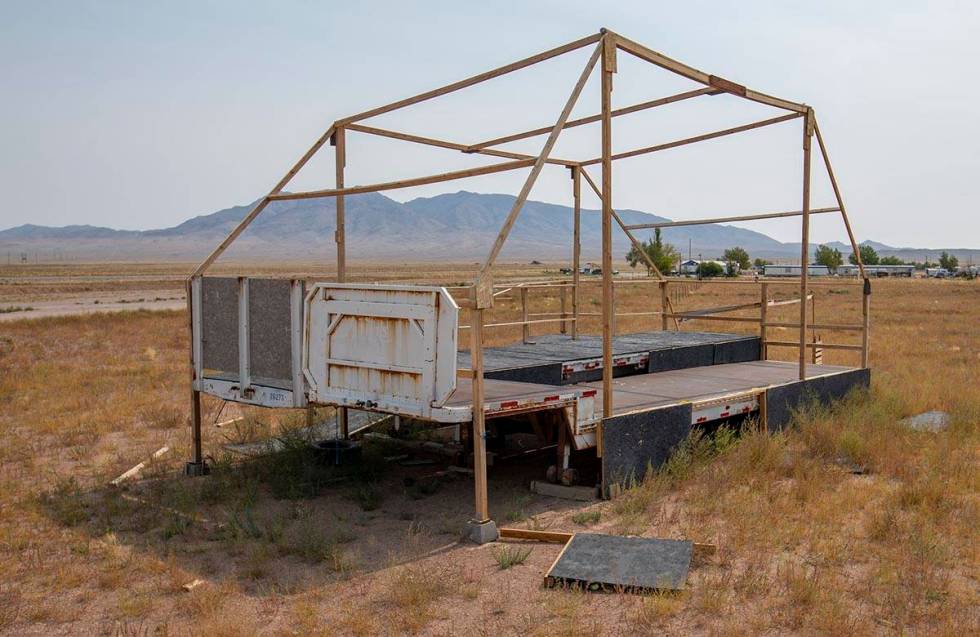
{"x": 219, "y": 326}
{"x": 270, "y": 355}
{"x": 381, "y": 346}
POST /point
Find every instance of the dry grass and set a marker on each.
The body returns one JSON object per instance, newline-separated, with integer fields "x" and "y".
{"x": 805, "y": 546}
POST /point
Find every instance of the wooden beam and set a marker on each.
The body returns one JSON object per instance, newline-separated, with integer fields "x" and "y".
{"x": 405, "y": 183}
{"x": 430, "y": 141}
{"x": 530, "y": 534}
{"x": 539, "y": 164}
{"x": 763, "y": 317}
{"x": 262, "y": 203}
{"x": 608, "y": 50}
{"x": 626, "y": 229}
{"x": 840, "y": 198}
{"x": 479, "y": 424}
{"x": 697, "y": 138}
{"x": 476, "y": 79}
{"x": 701, "y": 222}
{"x": 694, "y": 74}
{"x": 805, "y": 241}
{"x": 340, "y": 236}
{"x": 626, "y": 110}
{"x": 340, "y": 147}
{"x": 576, "y": 244}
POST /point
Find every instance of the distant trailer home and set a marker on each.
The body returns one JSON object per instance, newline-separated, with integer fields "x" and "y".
{"x": 794, "y": 270}
{"x": 877, "y": 270}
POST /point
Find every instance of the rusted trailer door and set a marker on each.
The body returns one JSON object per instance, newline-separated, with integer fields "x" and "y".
{"x": 384, "y": 347}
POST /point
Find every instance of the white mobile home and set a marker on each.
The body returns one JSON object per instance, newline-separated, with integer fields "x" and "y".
{"x": 877, "y": 270}
{"x": 794, "y": 270}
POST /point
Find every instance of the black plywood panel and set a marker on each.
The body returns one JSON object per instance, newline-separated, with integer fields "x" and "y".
{"x": 783, "y": 400}
{"x": 737, "y": 351}
{"x": 632, "y": 443}
{"x": 635, "y": 563}
{"x": 270, "y": 348}
{"x": 219, "y": 324}
{"x": 665, "y": 360}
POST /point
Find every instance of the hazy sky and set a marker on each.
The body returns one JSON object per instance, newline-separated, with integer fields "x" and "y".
{"x": 140, "y": 115}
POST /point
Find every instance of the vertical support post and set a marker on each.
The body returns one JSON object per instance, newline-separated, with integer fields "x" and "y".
{"x": 339, "y": 142}
{"x": 664, "y": 305}
{"x": 813, "y": 332}
{"x": 608, "y": 68}
{"x": 525, "y": 328}
{"x": 763, "y": 319}
{"x": 576, "y": 244}
{"x": 196, "y": 466}
{"x": 479, "y": 424}
{"x": 564, "y": 314}
{"x": 866, "y": 316}
{"x": 805, "y": 243}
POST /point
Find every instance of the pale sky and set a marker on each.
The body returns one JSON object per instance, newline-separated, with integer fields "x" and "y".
{"x": 140, "y": 115}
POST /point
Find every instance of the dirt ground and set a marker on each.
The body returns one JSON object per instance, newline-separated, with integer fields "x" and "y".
{"x": 284, "y": 545}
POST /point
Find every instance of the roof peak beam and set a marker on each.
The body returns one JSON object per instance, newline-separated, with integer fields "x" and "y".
{"x": 475, "y": 79}
{"x": 644, "y": 53}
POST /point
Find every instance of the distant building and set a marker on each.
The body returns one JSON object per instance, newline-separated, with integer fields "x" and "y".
{"x": 877, "y": 270}
{"x": 794, "y": 270}
{"x": 690, "y": 267}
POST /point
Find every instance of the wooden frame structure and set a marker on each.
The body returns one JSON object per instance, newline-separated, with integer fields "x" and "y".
{"x": 606, "y": 45}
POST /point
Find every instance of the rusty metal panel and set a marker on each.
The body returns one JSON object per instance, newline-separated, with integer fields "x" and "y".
{"x": 386, "y": 347}
{"x": 219, "y": 326}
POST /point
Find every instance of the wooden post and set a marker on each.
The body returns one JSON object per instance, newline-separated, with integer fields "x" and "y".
{"x": 576, "y": 245}
{"x": 608, "y": 68}
{"x": 340, "y": 236}
{"x": 866, "y": 316}
{"x": 564, "y": 314}
{"x": 763, "y": 318}
{"x": 479, "y": 424}
{"x": 805, "y": 247}
{"x": 526, "y": 329}
{"x": 197, "y": 463}
{"x": 664, "y": 305}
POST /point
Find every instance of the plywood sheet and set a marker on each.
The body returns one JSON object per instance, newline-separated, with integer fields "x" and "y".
{"x": 623, "y": 563}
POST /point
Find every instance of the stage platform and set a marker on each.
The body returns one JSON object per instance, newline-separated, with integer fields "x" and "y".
{"x": 555, "y": 359}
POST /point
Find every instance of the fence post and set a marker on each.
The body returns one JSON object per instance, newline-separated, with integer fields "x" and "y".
{"x": 763, "y": 318}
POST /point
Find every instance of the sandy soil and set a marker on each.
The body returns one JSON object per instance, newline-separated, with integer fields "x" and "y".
{"x": 90, "y": 302}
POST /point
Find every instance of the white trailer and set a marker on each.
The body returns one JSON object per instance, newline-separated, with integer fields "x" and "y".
{"x": 794, "y": 270}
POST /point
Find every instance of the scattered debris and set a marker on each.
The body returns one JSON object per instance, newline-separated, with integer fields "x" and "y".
{"x": 135, "y": 471}
{"x": 189, "y": 586}
{"x": 932, "y": 421}
{"x": 625, "y": 564}
{"x": 582, "y": 494}
{"x": 539, "y": 536}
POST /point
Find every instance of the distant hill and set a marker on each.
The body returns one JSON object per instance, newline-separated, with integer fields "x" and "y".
{"x": 457, "y": 226}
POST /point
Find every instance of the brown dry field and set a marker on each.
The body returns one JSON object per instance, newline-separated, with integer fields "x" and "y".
{"x": 805, "y": 546}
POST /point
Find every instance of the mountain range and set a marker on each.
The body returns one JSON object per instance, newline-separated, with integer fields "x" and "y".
{"x": 458, "y": 226}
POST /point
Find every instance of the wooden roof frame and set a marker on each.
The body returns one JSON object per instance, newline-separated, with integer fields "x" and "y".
{"x": 606, "y": 45}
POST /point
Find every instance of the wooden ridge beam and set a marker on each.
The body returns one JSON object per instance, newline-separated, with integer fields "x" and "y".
{"x": 642, "y": 106}
{"x": 404, "y": 183}
{"x": 476, "y": 79}
{"x": 697, "y": 138}
{"x": 691, "y": 73}
{"x": 430, "y": 141}
{"x": 701, "y": 222}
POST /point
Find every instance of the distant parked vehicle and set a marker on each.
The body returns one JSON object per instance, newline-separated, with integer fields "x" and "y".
{"x": 937, "y": 273}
